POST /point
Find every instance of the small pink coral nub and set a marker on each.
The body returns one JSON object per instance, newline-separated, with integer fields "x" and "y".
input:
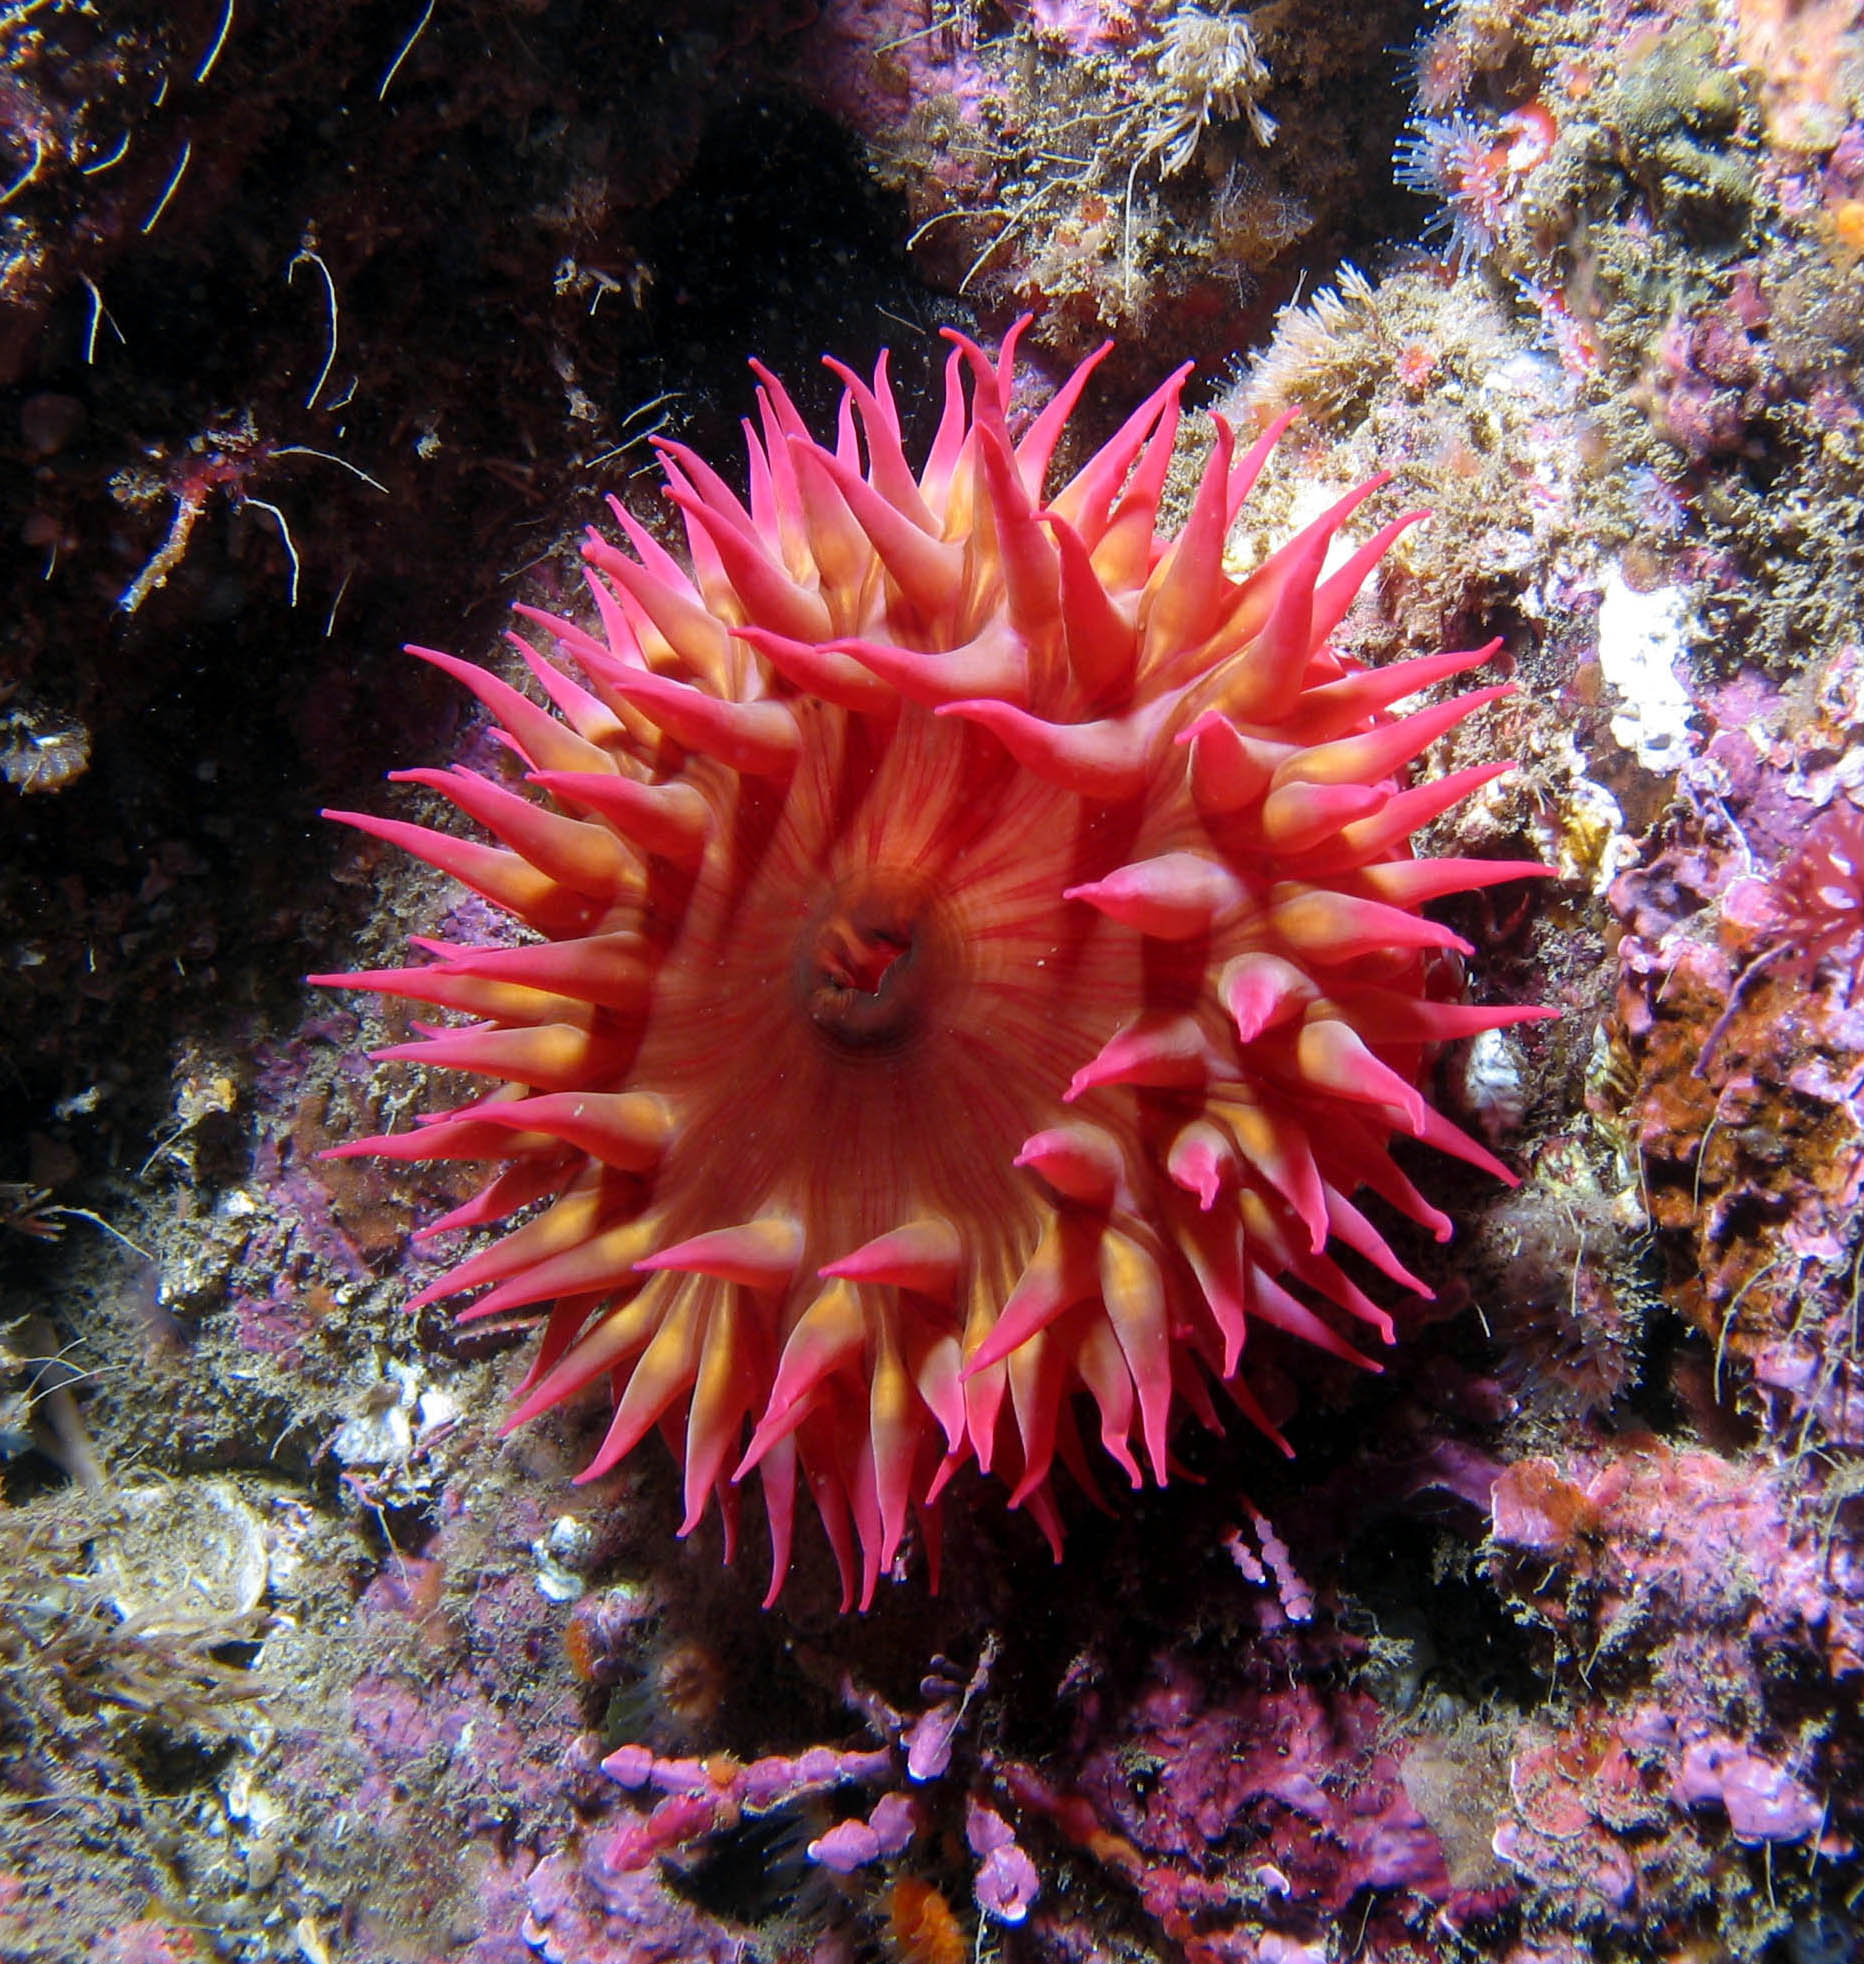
{"x": 977, "y": 962}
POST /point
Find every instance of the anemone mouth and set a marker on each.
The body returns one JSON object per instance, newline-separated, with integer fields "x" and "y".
{"x": 870, "y": 963}
{"x": 980, "y": 960}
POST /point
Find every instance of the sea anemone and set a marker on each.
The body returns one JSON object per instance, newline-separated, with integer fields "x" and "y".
{"x": 1817, "y": 905}
{"x": 977, "y": 962}
{"x": 1478, "y": 169}
{"x": 1819, "y": 897}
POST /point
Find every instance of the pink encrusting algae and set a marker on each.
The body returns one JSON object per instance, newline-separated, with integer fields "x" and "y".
{"x": 980, "y": 958}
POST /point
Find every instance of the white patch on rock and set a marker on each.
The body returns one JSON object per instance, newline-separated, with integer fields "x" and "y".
{"x": 1642, "y": 636}
{"x": 399, "y": 1416}
{"x": 561, "y": 1553}
{"x": 1492, "y": 1090}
